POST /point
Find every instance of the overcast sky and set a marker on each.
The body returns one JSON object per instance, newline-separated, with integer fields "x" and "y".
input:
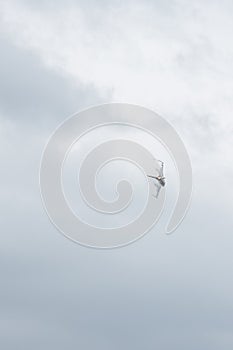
{"x": 162, "y": 292}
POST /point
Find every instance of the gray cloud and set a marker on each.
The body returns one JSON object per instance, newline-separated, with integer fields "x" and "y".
{"x": 31, "y": 92}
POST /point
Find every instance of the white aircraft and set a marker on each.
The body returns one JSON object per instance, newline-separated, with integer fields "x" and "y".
{"x": 160, "y": 179}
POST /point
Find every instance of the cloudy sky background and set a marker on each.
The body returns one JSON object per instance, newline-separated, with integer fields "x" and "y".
{"x": 58, "y": 57}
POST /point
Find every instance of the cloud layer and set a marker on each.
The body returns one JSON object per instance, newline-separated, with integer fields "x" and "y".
{"x": 161, "y": 292}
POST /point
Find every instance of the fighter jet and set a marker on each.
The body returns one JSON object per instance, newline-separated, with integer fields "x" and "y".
{"x": 160, "y": 179}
